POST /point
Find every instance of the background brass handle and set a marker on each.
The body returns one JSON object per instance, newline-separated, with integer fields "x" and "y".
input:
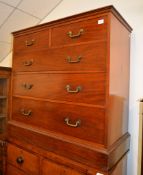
{"x": 28, "y": 63}
{"x": 29, "y": 43}
{"x": 69, "y": 59}
{"x": 26, "y": 112}
{"x": 77, "y": 123}
{"x": 71, "y": 35}
{"x": 27, "y": 86}
{"x": 68, "y": 88}
{"x": 20, "y": 160}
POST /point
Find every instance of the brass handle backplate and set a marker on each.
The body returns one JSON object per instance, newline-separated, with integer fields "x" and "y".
{"x": 28, "y": 62}
{"x": 77, "y": 90}
{"x": 69, "y": 59}
{"x": 68, "y": 122}
{"x": 27, "y": 86}
{"x": 26, "y": 112}
{"x": 71, "y": 35}
{"x": 30, "y": 42}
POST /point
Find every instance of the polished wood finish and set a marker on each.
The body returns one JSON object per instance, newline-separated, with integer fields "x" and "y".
{"x": 14, "y": 171}
{"x": 5, "y": 74}
{"x": 54, "y": 120}
{"x": 55, "y": 142}
{"x": 36, "y": 40}
{"x": 65, "y": 111}
{"x": 54, "y": 87}
{"x": 53, "y": 168}
{"x": 29, "y": 163}
{"x": 91, "y": 31}
{"x": 46, "y": 59}
{"x": 119, "y": 81}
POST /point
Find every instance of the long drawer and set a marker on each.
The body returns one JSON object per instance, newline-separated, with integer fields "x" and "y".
{"x": 23, "y": 160}
{"x": 79, "y": 32}
{"x": 73, "y": 58}
{"x": 72, "y": 87}
{"x": 78, "y": 121}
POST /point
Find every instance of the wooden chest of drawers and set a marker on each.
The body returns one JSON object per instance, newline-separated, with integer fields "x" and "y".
{"x": 69, "y": 105}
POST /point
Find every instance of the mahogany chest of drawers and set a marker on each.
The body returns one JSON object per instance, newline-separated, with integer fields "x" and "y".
{"x": 69, "y": 96}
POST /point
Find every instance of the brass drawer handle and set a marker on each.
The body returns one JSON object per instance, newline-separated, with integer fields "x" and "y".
{"x": 20, "y": 160}
{"x": 69, "y": 59}
{"x": 77, "y": 123}
{"x": 27, "y": 86}
{"x": 68, "y": 88}
{"x": 26, "y": 112}
{"x": 71, "y": 35}
{"x": 28, "y": 63}
{"x": 30, "y": 42}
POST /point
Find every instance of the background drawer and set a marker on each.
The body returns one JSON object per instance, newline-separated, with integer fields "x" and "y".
{"x": 92, "y": 31}
{"x": 91, "y": 57}
{"x": 89, "y": 122}
{"x": 51, "y": 168}
{"x": 23, "y": 160}
{"x": 79, "y": 88}
{"x": 32, "y": 41}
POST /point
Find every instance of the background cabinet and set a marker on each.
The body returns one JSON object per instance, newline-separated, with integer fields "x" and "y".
{"x": 5, "y": 74}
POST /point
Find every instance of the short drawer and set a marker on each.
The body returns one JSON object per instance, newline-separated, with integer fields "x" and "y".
{"x": 72, "y": 87}
{"x": 78, "y": 32}
{"x": 23, "y": 160}
{"x": 87, "y": 57}
{"x": 82, "y": 122}
{"x": 51, "y": 168}
{"x": 11, "y": 170}
{"x": 31, "y": 41}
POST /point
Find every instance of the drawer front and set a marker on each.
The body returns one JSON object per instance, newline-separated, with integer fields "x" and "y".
{"x": 79, "y": 88}
{"x": 29, "y": 42}
{"x": 78, "y": 32}
{"x": 91, "y": 57}
{"x": 11, "y": 170}
{"x": 23, "y": 160}
{"x": 51, "y": 168}
{"x": 78, "y": 121}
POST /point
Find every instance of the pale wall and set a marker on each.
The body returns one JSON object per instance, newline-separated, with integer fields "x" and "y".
{"x": 132, "y": 11}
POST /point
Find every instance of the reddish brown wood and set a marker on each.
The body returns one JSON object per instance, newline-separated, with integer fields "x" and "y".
{"x": 96, "y": 157}
{"x": 120, "y": 168}
{"x": 38, "y": 39}
{"x": 91, "y": 31}
{"x": 56, "y": 59}
{"x": 5, "y": 74}
{"x": 102, "y": 138}
{"x": 53, "y": 86}
{"x": 117, "y": 111}
{"x": 89, "y": 14}
{"x": 11, "y": 170}
{"x": 54, "y": 169}
{"x": 92, "y": 119}
{"x": 30, "y": 162}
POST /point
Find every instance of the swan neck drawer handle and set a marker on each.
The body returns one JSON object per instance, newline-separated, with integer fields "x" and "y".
{"x": 30, "y": 42}
{"x": 77, "y": 123}
{"x": 26, "y": 112}
{"x": 28, "y": 63}
{"x": 77, "y": 90}
{"x": 27, "y": 86}
{"x": 71, "y": 35}
{"x": 69, "y": 59}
